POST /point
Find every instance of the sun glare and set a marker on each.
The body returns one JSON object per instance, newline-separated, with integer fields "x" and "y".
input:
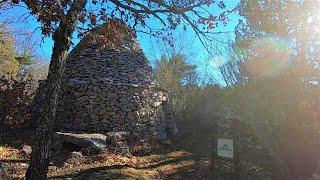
{"x": 269, "y": 56}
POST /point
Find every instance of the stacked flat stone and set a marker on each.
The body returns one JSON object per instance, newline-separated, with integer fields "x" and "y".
{"x": 113, "y": 89}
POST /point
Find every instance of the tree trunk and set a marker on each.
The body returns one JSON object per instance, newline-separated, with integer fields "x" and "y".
{"x": 40, "y": 157}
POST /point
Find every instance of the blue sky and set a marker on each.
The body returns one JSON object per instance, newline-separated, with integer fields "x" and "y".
{"x": 153, "y": 47}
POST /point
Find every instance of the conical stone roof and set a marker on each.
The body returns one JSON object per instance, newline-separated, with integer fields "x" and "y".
{"x": 125, "y": 63}
{"x": 112, "y": 89}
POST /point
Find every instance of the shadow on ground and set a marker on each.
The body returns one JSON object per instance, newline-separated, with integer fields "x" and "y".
{"x": 177, "y": 168}
{"x": 190, "y": 159}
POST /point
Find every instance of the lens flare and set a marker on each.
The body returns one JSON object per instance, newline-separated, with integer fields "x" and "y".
{"x": 269, "y": 56}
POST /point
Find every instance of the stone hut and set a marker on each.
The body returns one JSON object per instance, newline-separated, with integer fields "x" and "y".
{"x": 113, "y": 89}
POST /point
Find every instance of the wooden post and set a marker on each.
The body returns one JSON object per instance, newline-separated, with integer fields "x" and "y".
{"x": 214, "y": 154}
{"x": 236, "y": 161}
{"x": 232, "y": 136}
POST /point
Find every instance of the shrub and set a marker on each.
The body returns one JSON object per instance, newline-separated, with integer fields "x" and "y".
{"x": 16, "y": 94}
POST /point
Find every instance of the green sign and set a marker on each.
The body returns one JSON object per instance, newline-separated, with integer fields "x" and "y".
{"x": 225, "y": 148}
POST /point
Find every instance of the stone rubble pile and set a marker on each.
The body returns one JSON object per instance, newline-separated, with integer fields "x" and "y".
{"x": 113, "y": 90}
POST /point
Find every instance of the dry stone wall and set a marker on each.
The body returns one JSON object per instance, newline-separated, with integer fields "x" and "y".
{"x": 113, "y": 89}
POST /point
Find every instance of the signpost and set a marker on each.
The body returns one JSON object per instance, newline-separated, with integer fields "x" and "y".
{"x": 226, "y": 145}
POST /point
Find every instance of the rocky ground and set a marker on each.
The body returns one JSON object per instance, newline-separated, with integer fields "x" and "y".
{"x": 187, "y": 158}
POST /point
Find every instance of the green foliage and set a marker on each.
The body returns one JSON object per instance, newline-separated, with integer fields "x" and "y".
{"x": 278, "y": 99}
{"x": 16, "y": 91}
{"x": 282, "y": 113}
{"x": 11, "y": 62}
{"x": 179, "y": 77}
{"x": 207, "y": 103}
{"x": 288, "y": 24}
{"x": 24, "y": 59}
{"x": 8, "y": 64}
{"x": 176, "y": 69}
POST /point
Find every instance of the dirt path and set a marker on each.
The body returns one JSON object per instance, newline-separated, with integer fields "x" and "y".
{"x": 196, "y": 138}
{"x": 189, "y": 159}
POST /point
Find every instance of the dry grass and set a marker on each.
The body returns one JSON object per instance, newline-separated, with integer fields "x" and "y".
{"x": 157, "y": 166}
{"x": 16, "y": 161}
{"x": 7, "y": 153}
